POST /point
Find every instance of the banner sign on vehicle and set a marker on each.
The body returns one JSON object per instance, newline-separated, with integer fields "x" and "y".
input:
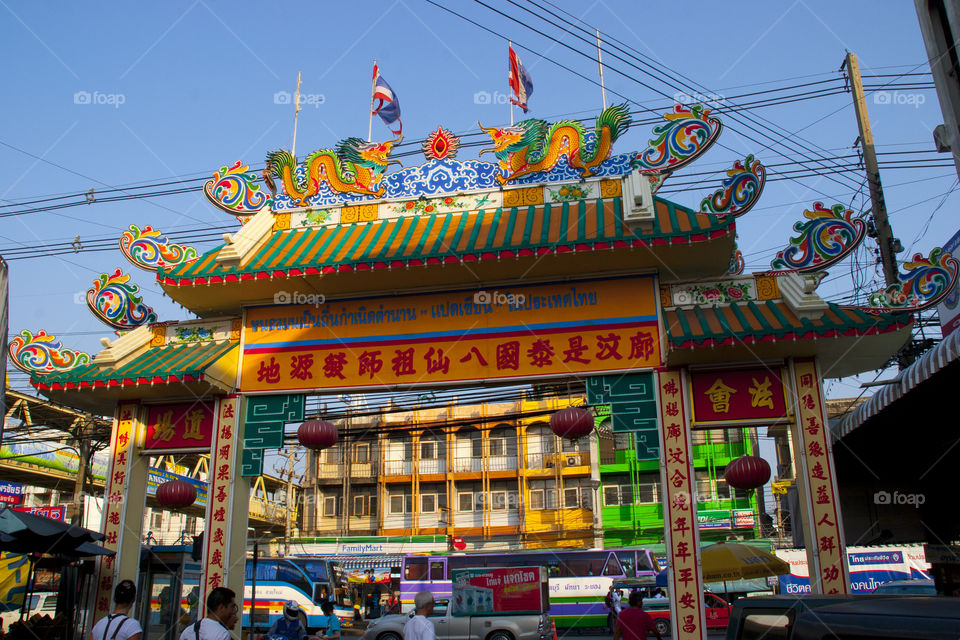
{"x": 512, "y": 589}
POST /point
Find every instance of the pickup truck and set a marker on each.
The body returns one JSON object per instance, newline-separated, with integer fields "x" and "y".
{"x": 503, "y": 626}
{"x": 814, "y": 617}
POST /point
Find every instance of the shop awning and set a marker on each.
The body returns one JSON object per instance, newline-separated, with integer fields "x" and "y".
{"x": 937, "y": 358}
{"x": 367, "y": 562}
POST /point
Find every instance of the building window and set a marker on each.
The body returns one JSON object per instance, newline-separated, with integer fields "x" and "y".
{"x": 704, "y": 486}
{"x": 571, "y": 498}
{"x": 360, "y": 506}
{"x": 543, "y": 494}
{"x": 362, "y": 453}
{"x": 647, "y": 493}
{"x": 498, "y": 446}
{"x": 723, "y": 489}
{"x": 611, "y": 495}
{"x": 428, "y": 450}
{"x": 498, "y": 500}
{"x": 476, "y": 447}
{"x": 465, "y": 501}
{"x": 428, "y": 503}
{"x": 536, "y": 499}
{"x": 329, "y": 506}
{"x": 401, "y": 503}
{"x": 622, "y": 441}
{"x": 331, "y": 455}
{"x": 700, "y": 437}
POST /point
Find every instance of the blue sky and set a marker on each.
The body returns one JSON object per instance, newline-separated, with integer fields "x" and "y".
{"x": 179, "y": 89}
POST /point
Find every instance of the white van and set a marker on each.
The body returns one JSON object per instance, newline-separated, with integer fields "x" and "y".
{"x": 42, "y": 602}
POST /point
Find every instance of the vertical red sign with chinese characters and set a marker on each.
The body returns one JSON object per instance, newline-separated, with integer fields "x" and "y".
{"x": 122, "y": 442}
{"x": 738, "y": 395}
{"x": 826, "y": 553}
{"x": 179, "y": 426}
{"x": 218, "y": 501}
{"x": 680, "y": 510}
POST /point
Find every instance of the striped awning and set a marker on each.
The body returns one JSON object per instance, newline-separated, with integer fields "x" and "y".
{"x": 367, "y": 562}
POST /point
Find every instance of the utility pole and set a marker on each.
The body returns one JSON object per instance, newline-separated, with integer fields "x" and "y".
{"x": 84, "y": 452}
{"x": 888, "y": 244}
{"x": 292, "y": 458}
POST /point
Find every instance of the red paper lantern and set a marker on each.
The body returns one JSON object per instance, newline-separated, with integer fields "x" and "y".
{"x": 317, "y": 434}
{"x": 572, "y": 422}
{"x": 747, "y": 472}
{"x": 176, "y": 494}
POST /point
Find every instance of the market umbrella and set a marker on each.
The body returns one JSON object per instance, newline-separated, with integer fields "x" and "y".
{"x": 733, "y": 561}
{"x": 26, "y": 533}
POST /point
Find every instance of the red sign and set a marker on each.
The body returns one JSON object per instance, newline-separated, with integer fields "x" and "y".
{"x": 9, "y": 499}
{"x": 482, "y": 591}
{"x": 459, "y": 544}
{"x": 737, "y": 395}
{"x": 54, "y": 513}
{"x": 179, "y": 426}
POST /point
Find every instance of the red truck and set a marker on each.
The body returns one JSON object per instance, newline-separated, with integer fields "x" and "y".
{"x": 718, "y": 610}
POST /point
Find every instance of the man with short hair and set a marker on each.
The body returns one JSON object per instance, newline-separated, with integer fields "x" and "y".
{"x": 119, "y": 625}
{"x": 221, "y": 616}
{"x": 418, "y": 627}
{"x": 634, "y": 623}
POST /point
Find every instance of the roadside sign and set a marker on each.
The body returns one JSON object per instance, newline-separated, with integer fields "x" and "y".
{"x": 493, "y": 590}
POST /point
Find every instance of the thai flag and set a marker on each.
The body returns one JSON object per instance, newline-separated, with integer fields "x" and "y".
{"x": 388, "y": 107}
{"x": 520, "y": 83}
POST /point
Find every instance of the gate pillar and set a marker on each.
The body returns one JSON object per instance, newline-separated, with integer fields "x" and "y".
{"x": 681, "y": 534}
{"x": 228, "y": 505}
{"x": 817, "y": 483}
{"x": 125, "y": 496}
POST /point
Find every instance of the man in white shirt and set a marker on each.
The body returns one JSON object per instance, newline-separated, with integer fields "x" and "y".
{"x": 119, "y": 625}
{"x": 418, "y": 627}
{"x": 222, "y": 615}
{"x": 617, "y": 603}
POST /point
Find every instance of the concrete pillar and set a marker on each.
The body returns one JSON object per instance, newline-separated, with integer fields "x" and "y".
{"x": 817, "y": 483}
{"x": 681, "y": 534}
{"x": 124, "y": 502}
{"x": 228, "y": 503}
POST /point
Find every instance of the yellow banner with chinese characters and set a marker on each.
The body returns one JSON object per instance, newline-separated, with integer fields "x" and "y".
{"x": 523, "y": 332}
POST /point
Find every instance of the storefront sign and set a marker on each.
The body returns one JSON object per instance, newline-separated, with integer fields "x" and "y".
{"x": 179, "y": 426}
{"x": 508, "y": 590}
{"x": 708, "y": 520}
{"x": 680, "y": 511}
{"x": 738, "y": 395}
{"x": 369, "y": 576}
{"x": 54, "y": 513}
{"x": 11, "y": 493}
{"x": 744, "y": 519}
{"x": 811, "y": 430}
{"x": 466, "y": 336}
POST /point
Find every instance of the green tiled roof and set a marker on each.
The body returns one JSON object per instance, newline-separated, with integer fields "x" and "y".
{"x": 170, "y": 363}
{"x": 454, "y": 237}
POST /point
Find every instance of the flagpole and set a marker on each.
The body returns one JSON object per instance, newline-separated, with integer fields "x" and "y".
{"x": 603, "y": 91}
{"x": 296, "y": 111}
{"x": 509, "y": 47}
{"x": 373, "y": 88}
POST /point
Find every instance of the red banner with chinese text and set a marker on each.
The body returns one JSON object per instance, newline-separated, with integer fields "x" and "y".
{"x": 830, "y": 571}
{"x": 737, "y": 395}
{"x": 680, "y": 510}
{"x": 179, "y": 426}
{"x": 466, "y": 336}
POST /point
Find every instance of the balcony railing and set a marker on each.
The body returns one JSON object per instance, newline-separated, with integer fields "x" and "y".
{"x": 433, "y": 465}
{"x": 363, "y": 470}
{"x": 462, "y": 465}
{"x": 398, "y": 467}
{"x": 330, "y": 470}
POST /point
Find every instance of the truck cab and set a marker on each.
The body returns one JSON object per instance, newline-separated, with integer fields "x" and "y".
{"x": 497, "y": 626}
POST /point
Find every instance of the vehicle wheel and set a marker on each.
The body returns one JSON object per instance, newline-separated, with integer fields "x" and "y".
{"x": 500, "y": 635}
{"x": 389, "y": 635}
{"x": 663, "y": 626}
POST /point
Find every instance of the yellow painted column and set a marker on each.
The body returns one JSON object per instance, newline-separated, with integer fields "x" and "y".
{"x": 125, "y": 496}
{"x": 817, "y": 484}
{"x": 681, "y": 534}
{"x": 228, "y": 503}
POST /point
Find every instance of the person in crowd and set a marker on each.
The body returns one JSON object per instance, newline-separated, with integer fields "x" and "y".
{"x": 119, "y": 625}
{"x": 634, "y": 623}
{"x": 608, "y": 603}
{"x": 617, "y": 603}
{"x": 222, "y": 616}
{"x": 288, "y": 626}
{"x": 393, "y": 604}
{"x": 368, "y": 603}
{"x": 658, "y": 594}
{"x": 418, "y": 627}
{"x": 330, "y": 624}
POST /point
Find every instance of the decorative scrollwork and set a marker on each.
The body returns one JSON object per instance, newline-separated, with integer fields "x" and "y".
{"x": 687, "y": 133}
{"x": 737, "y": 263}
{"x": 235, "y": 190}
{"x": 42, "y": 353}
{"x": 741, "y": 189}
{"x": 116, "y": 302}
{"x": 926, "y": 282}
{"x": 149, "y": 250}
{"x": 827, "y": 237}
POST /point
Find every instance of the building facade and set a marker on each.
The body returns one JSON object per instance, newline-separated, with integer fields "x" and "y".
{"x": 495, "y": 475}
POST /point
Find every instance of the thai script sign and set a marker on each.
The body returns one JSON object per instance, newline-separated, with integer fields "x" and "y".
{"x": 869, "y": 567}
{"x": 558, "y": 329}
{"x": 11, "y": 492}
{"x": 54, "y": 513}
{"x": 513, "y": 590}
{"x": 179, "y": 426}
{"x": 737, "y": 395}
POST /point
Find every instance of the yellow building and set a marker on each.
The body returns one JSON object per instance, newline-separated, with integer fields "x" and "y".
{"x": 493, "y": 474}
